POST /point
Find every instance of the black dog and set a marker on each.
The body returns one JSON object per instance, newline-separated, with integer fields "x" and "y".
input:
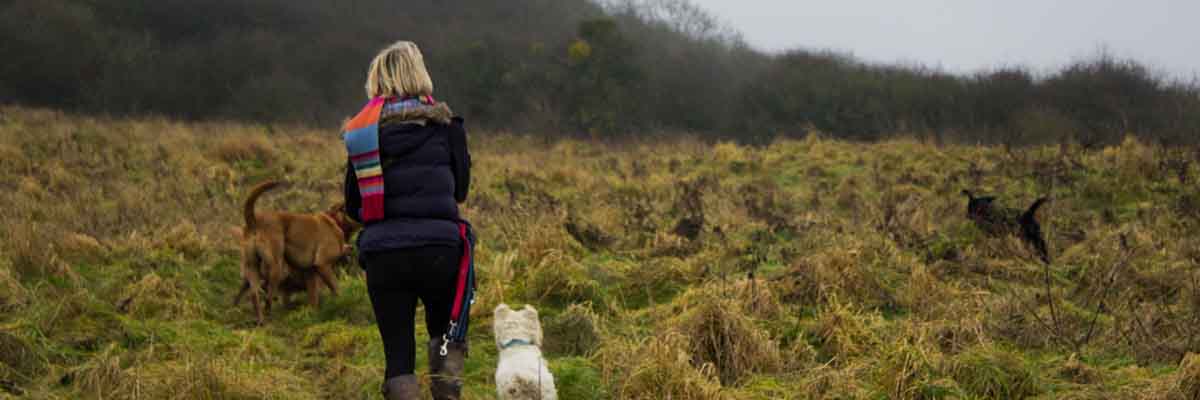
{"x": 997, "y": 220}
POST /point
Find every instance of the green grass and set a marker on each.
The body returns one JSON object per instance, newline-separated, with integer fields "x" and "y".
{"x": 117, "y": 269}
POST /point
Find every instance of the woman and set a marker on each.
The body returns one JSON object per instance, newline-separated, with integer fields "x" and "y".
{"x": 409, "y": 168}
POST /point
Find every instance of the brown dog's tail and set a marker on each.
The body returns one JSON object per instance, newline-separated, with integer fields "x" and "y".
{"x": 248, "y": 206}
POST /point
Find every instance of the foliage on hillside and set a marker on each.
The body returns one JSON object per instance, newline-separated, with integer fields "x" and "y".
{"x": 821, "y": 268}
{"x": 558, "y": 67}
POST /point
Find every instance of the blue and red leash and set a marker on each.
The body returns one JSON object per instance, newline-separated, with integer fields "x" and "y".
{"x": 464, "y": 291}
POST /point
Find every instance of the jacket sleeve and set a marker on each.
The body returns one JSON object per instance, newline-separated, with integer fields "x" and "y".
{"x": 350, "y": 190}
{"x": 460, "y": 160}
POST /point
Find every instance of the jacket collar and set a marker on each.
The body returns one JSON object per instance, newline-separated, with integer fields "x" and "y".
{"x": 412, "y": 112}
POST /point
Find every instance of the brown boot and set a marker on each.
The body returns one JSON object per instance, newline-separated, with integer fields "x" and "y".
{"x": 403, "y": 387}
{"x": 446, "y": 371}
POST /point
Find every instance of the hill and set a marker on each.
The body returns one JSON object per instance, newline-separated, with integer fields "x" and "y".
{"x": 821, "y": 269}
{"x": 555, "y": 67}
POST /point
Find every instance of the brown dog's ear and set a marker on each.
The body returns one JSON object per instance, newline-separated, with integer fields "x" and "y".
{"x": 348, "y": 225}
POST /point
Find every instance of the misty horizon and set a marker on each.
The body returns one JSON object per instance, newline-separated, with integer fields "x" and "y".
{"x": 968, "y": 37}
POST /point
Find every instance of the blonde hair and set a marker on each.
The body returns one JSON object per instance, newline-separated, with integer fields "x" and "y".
{"x": 399, "y": 70}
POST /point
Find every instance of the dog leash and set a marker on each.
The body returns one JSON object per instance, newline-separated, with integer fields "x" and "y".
{"x": 464, "y": 294}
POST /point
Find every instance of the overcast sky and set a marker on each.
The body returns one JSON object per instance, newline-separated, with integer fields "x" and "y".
{"x": 969, "y": 35}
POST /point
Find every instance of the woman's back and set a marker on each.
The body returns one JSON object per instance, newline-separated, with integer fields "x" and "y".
{"x": 424, "y": 181}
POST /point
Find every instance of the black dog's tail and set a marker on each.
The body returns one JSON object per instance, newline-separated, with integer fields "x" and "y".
{"x": 1031, "y": 214}
{"x": 970, "y": 196}
{"x": 1031, "y": 230}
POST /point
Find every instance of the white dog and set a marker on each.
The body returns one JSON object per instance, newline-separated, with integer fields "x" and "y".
{"x": 522, "y": 373}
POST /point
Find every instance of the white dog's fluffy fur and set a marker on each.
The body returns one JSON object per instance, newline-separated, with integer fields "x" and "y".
{"x": 522, "y": 373}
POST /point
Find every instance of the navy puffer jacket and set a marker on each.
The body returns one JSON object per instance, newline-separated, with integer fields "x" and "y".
{"x": 426, "y": 173}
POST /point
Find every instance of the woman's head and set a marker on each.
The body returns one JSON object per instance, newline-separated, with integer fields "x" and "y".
{"x": 399, "y": 70}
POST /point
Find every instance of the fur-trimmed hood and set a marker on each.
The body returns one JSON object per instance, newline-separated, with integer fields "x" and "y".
{"x": 437, "y": 112}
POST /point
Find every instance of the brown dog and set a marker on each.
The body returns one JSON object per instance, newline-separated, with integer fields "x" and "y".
{"x": 297, "y": 280}
{"x": 276, "y": 245}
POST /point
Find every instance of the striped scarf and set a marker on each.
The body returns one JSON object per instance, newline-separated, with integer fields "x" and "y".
{"x": 361, "y": 135}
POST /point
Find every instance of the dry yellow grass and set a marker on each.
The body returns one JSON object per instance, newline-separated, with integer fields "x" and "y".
{"x": 823, "y": 269}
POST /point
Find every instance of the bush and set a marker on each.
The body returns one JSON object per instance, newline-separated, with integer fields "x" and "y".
{"x": 721, "y": 333}
{"x": 993, "y": 373}
{"x": 573, "y": 332}
{"x": 155, "y": 297}
{"x": 1183, "y": 384}
{"x": 20, "y": 361}
{"x": 558, "y": 75}
{"x": 577, "y": 378}
{"x": 253, "y": 148}
{"x": 657, "y": 367}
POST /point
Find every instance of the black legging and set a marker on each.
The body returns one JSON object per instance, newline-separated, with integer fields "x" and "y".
{"x": 395, "y": 280}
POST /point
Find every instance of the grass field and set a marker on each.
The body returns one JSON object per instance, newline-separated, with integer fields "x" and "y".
{"x": 822, "y": 269}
